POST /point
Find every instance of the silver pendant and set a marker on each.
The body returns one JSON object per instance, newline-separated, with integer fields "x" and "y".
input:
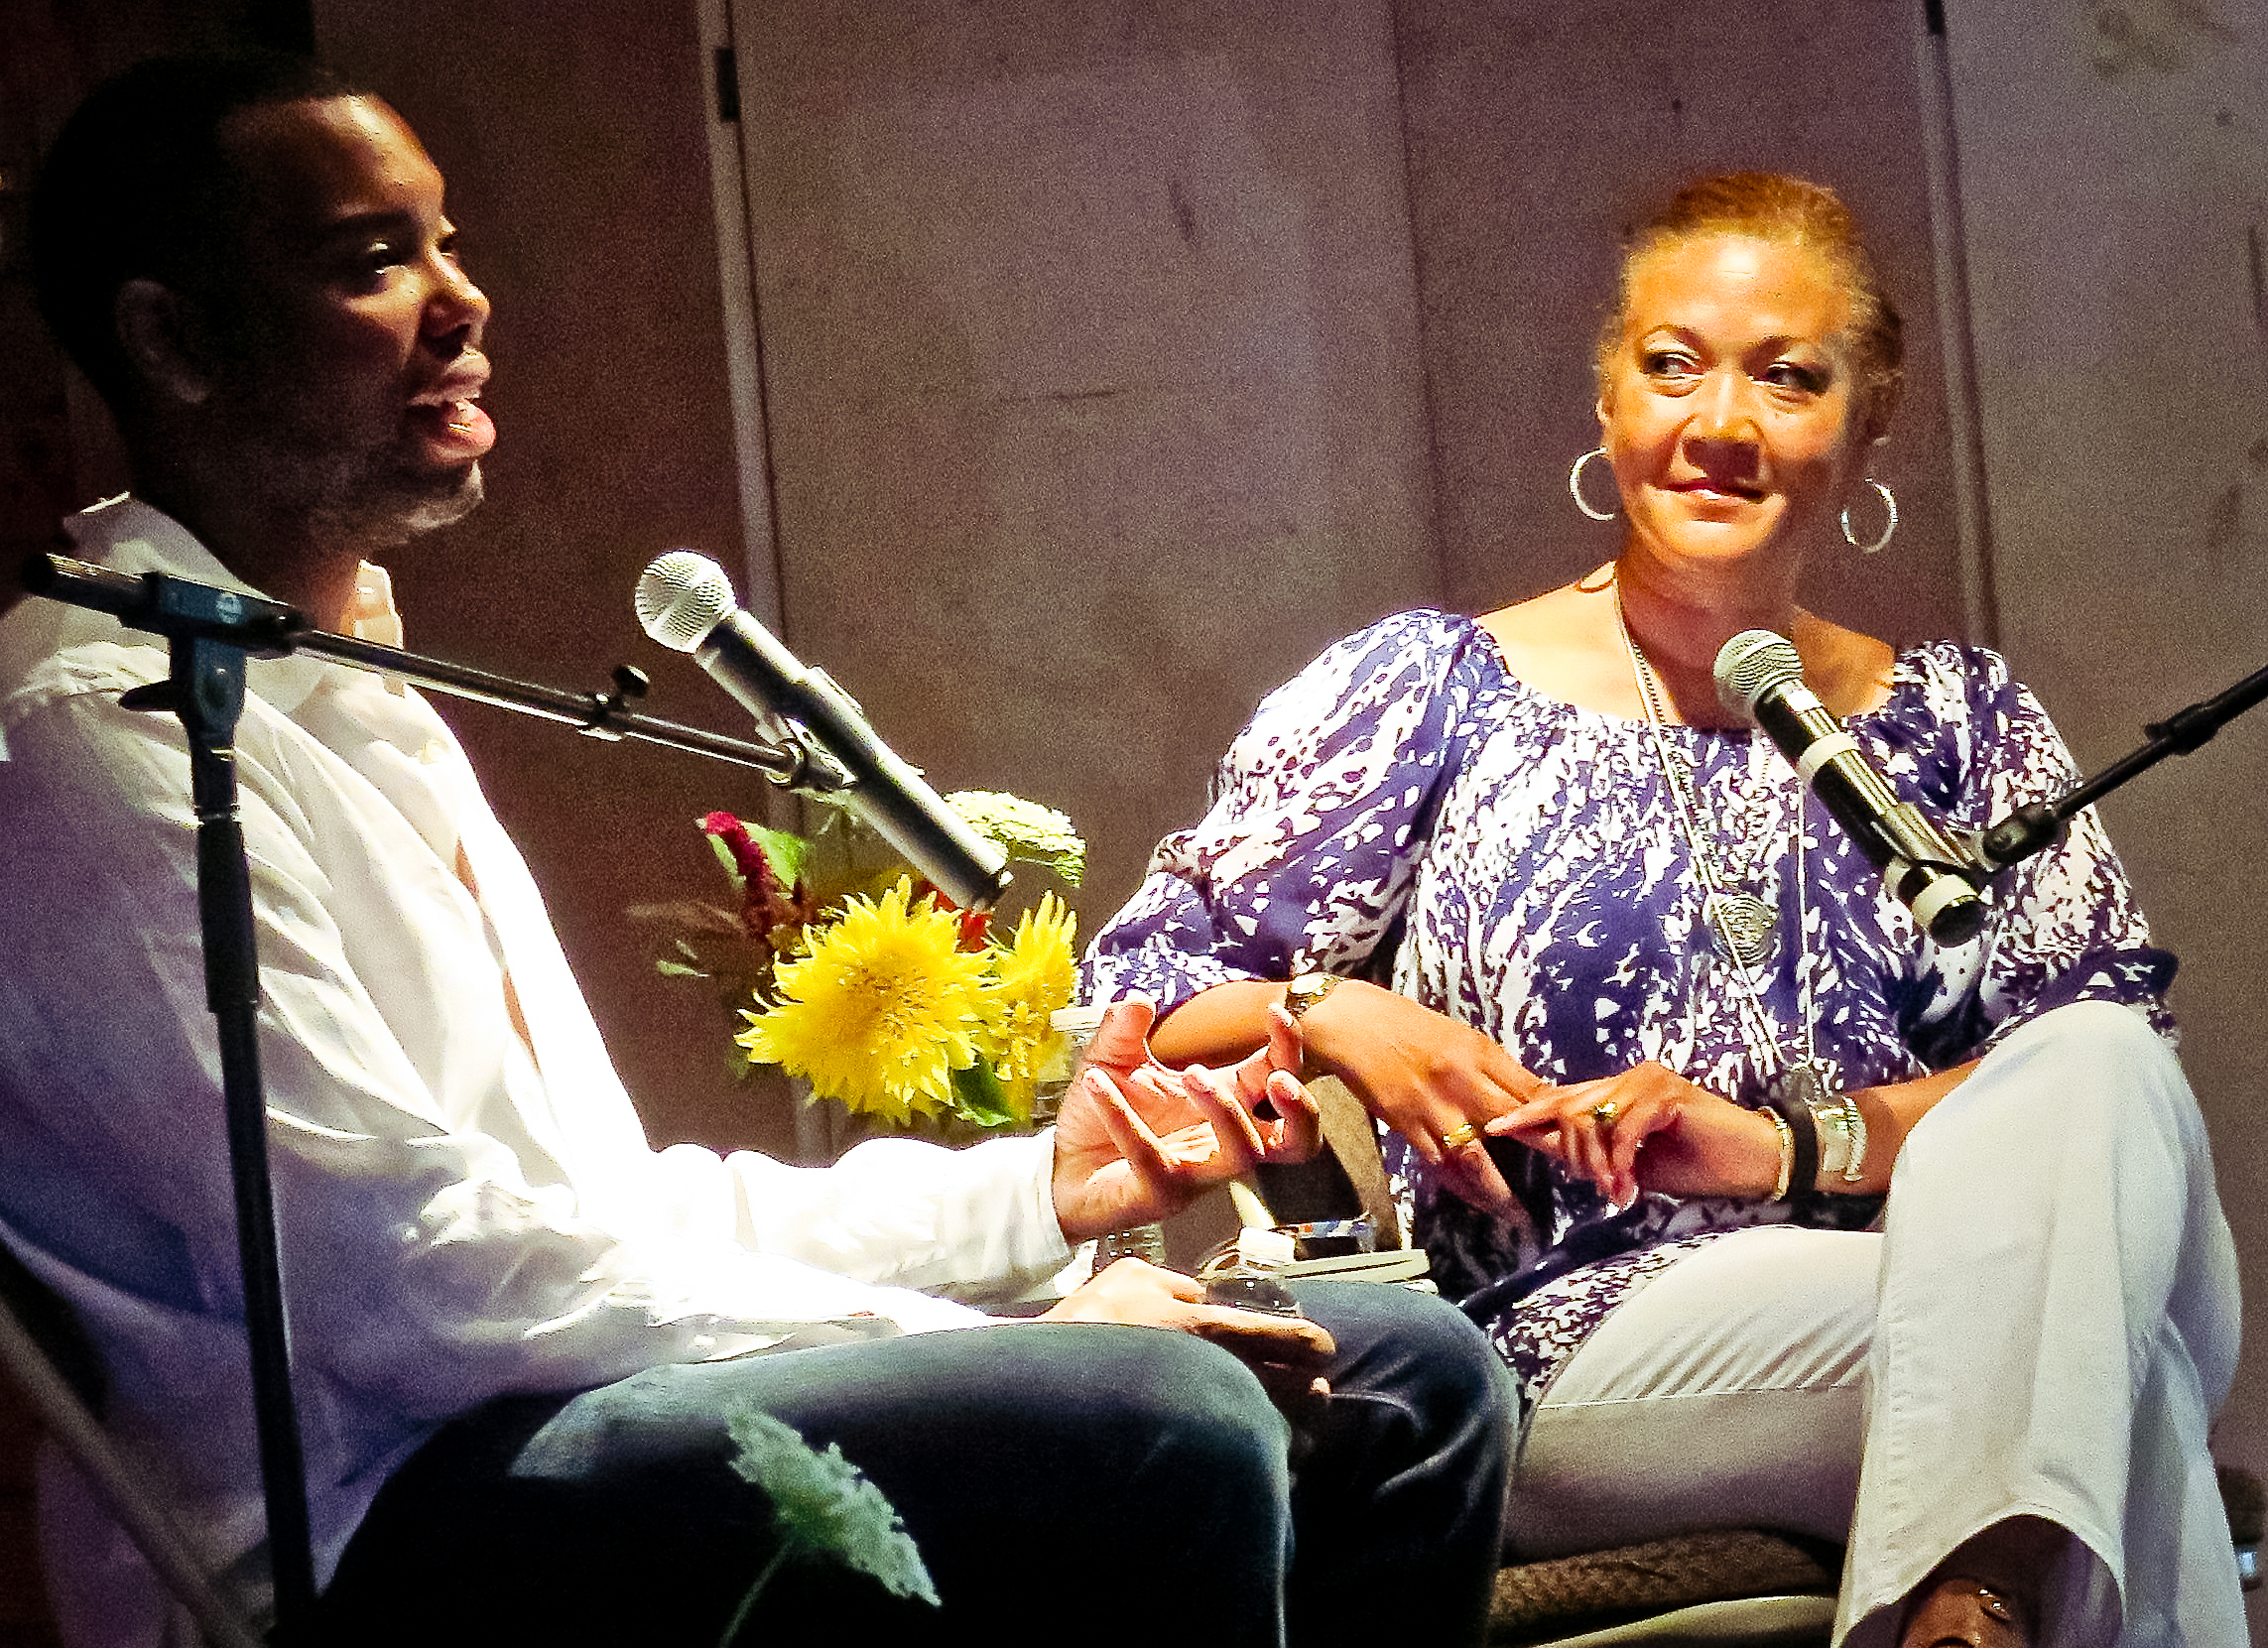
{"x": 1742, "y": 928}
{"x": 1814, "y": 1084}
{"x": 1810, "y": 1082}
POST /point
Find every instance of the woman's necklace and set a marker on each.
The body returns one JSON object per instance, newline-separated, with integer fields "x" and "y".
{"x": 1742, "y": 928}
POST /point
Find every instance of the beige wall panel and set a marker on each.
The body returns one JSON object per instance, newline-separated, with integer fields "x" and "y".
{"x": 2115, "y": 163}
{"x": 1093, "y": 375}
{"x": 574, "y": 141}
{"x": 1540, "y": 136}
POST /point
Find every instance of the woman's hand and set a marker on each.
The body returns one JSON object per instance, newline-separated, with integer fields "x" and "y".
{"x": 1425, "y": 1075}
{"x": 1137, "y": 1141}
{"x": 1651, "y": 1129}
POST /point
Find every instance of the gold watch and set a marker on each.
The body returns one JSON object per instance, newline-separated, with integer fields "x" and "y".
{"x": 1306, "y": 990}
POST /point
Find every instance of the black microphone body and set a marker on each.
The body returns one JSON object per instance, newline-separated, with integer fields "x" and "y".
{"x": 681, "y": 590}
{"x": 1760, "y": 675}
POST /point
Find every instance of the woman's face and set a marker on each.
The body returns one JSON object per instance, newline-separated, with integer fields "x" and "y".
{"x": 1729, "y": 408}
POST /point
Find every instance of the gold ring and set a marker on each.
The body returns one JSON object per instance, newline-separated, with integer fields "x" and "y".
{"x": 1458, "y": 1137}
{"x": 1605, "y": 1112}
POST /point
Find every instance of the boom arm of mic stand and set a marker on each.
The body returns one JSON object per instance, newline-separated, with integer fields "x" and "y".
{"x": 792, "y": 765}
{"x": 2037, "y": 825}
{"x": 172, "y": 606}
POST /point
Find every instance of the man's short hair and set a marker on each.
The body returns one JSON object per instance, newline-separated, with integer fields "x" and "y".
{"x": 135, "y": 187}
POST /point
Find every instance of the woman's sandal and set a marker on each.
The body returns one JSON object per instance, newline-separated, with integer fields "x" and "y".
{"x": 1959, "y": 1610}
{"x": 1985, "y": 1594}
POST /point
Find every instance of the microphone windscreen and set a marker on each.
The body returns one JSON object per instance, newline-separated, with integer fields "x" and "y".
{"x": 1752, "y": 663}
{"x": 682, "y": 596}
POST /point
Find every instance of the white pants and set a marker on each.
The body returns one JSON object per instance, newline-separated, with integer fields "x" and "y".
{"x": 2046, "y": 1326}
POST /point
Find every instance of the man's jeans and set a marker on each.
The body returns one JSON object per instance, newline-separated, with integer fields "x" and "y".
{"x": 1065, "y": 1483}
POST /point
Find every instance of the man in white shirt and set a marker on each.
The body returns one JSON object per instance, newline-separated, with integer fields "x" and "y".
{"x": 516, "y": 1328}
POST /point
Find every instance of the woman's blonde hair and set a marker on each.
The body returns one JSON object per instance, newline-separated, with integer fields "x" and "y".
{"x": 1771, "y": 207}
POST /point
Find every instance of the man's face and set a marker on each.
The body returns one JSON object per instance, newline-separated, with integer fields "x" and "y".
{"x": 348, "y": 341}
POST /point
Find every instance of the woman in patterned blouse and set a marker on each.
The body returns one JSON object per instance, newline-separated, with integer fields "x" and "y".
{"x": 1653, "y": 1042}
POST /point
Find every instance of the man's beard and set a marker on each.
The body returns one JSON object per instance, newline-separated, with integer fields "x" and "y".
{"x": 364, "y": 500}
{"x": 384, "y": 513}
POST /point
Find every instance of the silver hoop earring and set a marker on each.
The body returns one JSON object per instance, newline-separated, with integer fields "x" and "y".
{"x": 1574, "y": 488}
{"x": 1889, "y": 527}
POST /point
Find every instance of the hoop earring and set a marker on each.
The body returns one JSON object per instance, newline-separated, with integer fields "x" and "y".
{"x": 1889, "y": 527}
{"x": 1574, "y": 488}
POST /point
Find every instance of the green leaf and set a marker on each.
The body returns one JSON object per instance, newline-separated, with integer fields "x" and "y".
{"x": 677, "y": 969}
{"x": 786, "y": 852}
{"x": 826, "y": 1504}
{"x": 979, "y": 1099}
{"x": 725, "y": 856}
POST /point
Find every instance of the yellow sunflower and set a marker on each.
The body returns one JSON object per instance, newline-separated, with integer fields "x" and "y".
{"x": 880, "y": 1010}
{"x": 1032, "y": 976}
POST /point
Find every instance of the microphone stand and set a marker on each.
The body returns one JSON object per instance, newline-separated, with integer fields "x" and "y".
{"x": 210, "y": 632}
{"x": 2037, "y": 825}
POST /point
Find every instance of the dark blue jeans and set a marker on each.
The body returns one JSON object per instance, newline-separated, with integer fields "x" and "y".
{"x": 1065, "y": 1485}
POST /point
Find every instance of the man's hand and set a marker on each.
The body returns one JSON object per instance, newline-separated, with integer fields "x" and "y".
{"x": 1283, "y": 1351}
{"x": 1136, "y": 1141}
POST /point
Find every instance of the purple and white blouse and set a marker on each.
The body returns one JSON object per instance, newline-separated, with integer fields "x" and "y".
{"x": 1405, "y": 807}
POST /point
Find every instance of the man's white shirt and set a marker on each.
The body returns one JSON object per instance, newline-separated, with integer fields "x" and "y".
{"x": 462, "y": 1211}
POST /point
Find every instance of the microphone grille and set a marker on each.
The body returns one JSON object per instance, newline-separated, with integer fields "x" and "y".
{"x": 1751, "y": 664}
{"x": 682, "y": 596}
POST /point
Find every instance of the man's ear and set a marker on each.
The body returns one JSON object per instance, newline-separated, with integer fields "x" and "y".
{"x": 154, "y": 326}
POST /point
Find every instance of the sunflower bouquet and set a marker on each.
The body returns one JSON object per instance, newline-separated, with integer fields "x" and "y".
{"x": 851, "y": 972}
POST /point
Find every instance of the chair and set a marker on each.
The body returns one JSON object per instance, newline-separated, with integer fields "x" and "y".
{"x": 43, "y": 1349}
{"x": 1742, "y": 1585}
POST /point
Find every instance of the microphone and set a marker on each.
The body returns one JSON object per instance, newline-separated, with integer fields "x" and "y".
{"x": 1760, "y": 677}
{"x": 685, "y": 602}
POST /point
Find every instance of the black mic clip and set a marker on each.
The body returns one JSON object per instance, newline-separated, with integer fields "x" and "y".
{"x": 2033, "y": 827}
{"x": 162, "y": 603}
{"x": 630, "y": 685}
{"x": 814, "y": 773}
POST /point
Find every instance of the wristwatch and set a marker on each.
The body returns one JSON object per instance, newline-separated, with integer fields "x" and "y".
{"x": 1306, "y": 990}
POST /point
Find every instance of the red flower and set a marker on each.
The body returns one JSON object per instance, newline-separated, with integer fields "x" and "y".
{"x": 763, "y": 903}
{"x": 747, "y": 856}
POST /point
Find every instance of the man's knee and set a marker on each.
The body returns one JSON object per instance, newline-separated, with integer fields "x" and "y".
{"x": 1179, "y": 1387}
{"x": 1391, "y": 1337}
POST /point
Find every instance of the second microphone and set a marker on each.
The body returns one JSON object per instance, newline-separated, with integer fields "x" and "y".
{"x": 685, "y": 602}
{"x": 1760, "y": 676}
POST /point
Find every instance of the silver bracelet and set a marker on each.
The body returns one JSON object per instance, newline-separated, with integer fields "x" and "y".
{"x": 1787, "y": 1154}
{"x": 1855, "y": 1169}
{"x": 1842, "y": 1138}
